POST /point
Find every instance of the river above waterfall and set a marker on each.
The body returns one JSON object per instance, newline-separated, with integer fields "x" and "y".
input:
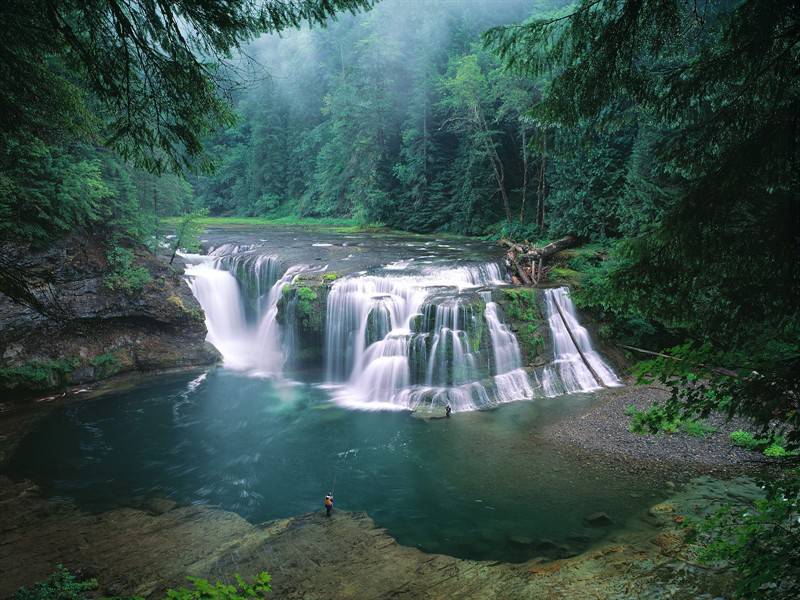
{"x": 346, "y": 253}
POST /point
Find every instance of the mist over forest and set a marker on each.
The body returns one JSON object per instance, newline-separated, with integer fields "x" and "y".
{"x": 396, "y": 116}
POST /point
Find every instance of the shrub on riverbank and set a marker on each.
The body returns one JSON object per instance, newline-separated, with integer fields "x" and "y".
{"x": 759, "y": 541}
{"x": 657, "y": 420}
{"x": 65, "y": 585}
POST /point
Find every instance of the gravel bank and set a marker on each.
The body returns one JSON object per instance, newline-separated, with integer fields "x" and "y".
{"x": 602, "y": 429}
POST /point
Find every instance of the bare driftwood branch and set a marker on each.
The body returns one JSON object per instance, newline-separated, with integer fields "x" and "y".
{"x": 526, "y": 261}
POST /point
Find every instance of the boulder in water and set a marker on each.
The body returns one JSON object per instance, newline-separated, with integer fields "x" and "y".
{"x": 428, "y": 412}
{"x": 521, "y": 540}
{"x": 159, "y": 506}
{"x": 599, "y": 519}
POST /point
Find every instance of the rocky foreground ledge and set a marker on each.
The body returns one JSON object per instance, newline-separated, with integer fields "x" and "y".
{"x": 84, "y": 330}
{"x": 146, "y": 549}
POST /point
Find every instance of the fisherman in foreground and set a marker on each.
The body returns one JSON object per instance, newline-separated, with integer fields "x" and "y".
{"x": 328, "y": 504}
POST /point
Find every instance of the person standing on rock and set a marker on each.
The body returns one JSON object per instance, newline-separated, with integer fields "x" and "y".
{"x": 447, "y": 411}
{"x": 328, "y": 504}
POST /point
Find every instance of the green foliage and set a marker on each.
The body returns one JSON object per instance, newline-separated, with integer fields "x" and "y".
{"x": 530, "y": 339}
{"x": 188, "y": 231}
{"x": 612, "y": 307}
{"x": 677, "y": 130}
{"x": 106, "y": 364}
{"x": 759, "y": 542}
{"x": 514, "y": 230}
{"x": 37, "y": 374}
{"x": 64, "y": 585}
{"x": 657, "y": 420}
{"x": 764, "y": 390}
{"x": 522, "y": 307}
{"x": 775, "y": 451}
{"x": 154, "y": 73}
{"x": 241, "y": 590}
{"x": 697, "y": 428}
{"x": 653, "y": 420}
{"x": 304, "y": 301}
{"x": 772, "y": 446}
{"x": 61, "y": 585}
{"x": 146, "y": 82}
{"x": 123, "y": 275}
{"x": 344, "y": 224}
{"x": 745, "y": 439}
{"x": 105, "y": 360}
{"x": 377, "y": 131}
{"x": 522, "y": 304}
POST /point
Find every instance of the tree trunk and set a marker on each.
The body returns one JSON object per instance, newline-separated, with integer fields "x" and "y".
{"x": 551, "y": 248}
{"x": 497, "y": 164}
{"x": 524, "y": 175}
{"x": 541, "y": 187}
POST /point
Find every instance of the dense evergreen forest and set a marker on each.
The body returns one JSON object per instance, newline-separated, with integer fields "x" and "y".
{"x": 664, "y": 132}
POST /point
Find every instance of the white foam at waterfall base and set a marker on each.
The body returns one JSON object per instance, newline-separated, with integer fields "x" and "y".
{"x": 375, "y": 374}
{"x": 568, "y": 372}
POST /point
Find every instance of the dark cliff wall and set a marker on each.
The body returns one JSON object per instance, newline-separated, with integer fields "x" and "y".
{"x": 89, "y": 331}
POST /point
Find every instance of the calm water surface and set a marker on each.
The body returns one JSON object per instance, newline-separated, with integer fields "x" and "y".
{"x": 479, "y": 485}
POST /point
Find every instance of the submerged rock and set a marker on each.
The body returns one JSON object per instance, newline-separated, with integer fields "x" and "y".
{"x": 599, "y": 519}
{"x": 427, "y": 411}
{"x": 158, "y": 506}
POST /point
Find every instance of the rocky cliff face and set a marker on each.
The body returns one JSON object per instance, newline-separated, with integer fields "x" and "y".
{"x": 89, "y": 331}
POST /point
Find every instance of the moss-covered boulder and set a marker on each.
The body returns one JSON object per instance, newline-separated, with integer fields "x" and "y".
{"x": 524, "y": 314}
{"x": 302, "y": 309}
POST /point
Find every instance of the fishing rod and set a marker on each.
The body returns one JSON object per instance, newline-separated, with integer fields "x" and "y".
{"x": 336, "y": 468}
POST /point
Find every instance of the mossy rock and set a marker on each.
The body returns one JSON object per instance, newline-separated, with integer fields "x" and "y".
{"x": 106, "y": 365}
{"x": 523, "y": 313}
{"x": 301, "y": 313}
{"x": 37, "y": 375}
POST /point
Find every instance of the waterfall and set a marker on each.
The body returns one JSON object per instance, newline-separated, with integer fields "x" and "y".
{"x": 395, "y": 338}
{"x": 568, "y": 373}
{"x": 239, "y": 290}
{"x": 400, "y": 342}
{"x": 218, "y": 294}
{"x": 511, "y": 380}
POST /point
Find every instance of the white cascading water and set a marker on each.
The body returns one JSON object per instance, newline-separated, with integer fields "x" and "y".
{"x": 511, "y": 380}
{"x": 395, "y": 341}
{"x": 376, "y": 347}
{"x": 217, "y": 292}
{"x": 568, "y": 373}
{"x": 245, "y": 344}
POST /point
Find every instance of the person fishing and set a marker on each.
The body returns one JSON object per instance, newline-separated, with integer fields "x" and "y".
{"x": 328, "y": 504}
{"x": 447, "y": 411}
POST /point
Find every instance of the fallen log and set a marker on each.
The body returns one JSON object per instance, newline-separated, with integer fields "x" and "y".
{"x": 718, "y": 370}
{"x": 551, "y": 248}
{"x": 577, "y": 347}
{"x": 522, "y": 258}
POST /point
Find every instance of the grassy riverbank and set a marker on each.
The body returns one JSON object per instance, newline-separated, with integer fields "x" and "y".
{"x": 345, "y": 225}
